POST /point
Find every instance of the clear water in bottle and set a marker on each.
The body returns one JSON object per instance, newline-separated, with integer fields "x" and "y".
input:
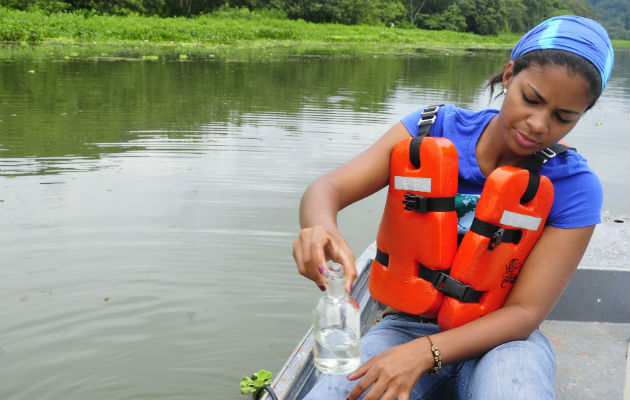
{"x": 337, "y": 351}
{"x": 336, "y": 327}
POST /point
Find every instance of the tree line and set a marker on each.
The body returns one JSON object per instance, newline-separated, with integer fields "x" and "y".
{"x": 486, "y": 17}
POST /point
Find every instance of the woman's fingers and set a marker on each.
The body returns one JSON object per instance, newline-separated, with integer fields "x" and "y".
{"x": 391, "y": 394}
{"x": 379, "y": 385}
{"x": 314, "y": 247}
{"x": 309, "y": 254}
{"x": 298, "y": 255}
{"x": 359, "y": 372}
{"x": 388, "y": 375}
{"x": 320, "y": 239}
{"x": 364, "y": 384}
{"x": 340, "y": 252}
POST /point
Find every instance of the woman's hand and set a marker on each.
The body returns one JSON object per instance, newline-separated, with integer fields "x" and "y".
{"x": 393, "y": 372}
{"x": 315, "y": 246}
{"x": 319, "y": 239}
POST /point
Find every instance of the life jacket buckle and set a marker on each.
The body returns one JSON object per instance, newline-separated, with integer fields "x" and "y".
{"x": 548, "y": 152}
{"x": 441, "y": 280}
{"x": 456, "y": 289}
{"x": 416, "y": 203}
{"x": 545, "y": 155}
{"x": 427, "y": 119}
{"x": 430, "y": 111}
{"x": 496, "y": 238}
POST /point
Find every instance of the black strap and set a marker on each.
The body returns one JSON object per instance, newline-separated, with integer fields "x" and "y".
{"x": 532, "y": 188}
{"x": 427, "y": 119}
{"x": 424, "y": 126}
{"x": 413, "y": 201}
{"x": 448, "y": 285}
{"x": 460, "y": 237}
{"x": 261, "y": 390}
{"x": 424, "y": 204}
{"x": 382, "y": 258}
{"x": 496, "y": 233}
{"x": 534, "y": 164}
{"x": 536, "y": 160}
{"x": 414, "y": 151}
{"x": 440, "y": 280}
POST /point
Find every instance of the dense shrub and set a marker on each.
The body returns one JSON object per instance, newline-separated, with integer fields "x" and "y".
{"x": 487, "y": 17}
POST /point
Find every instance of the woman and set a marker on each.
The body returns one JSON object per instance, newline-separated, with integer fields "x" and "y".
{"x": 557, "y": 72}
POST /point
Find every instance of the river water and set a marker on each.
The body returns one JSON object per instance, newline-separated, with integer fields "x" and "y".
{"x": 149, "y": 199}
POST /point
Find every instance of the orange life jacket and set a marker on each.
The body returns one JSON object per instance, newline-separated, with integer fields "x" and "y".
{"x": 486, "y": 262}
{"x": 408, "y": 237}
{"x": 419, "y": 269}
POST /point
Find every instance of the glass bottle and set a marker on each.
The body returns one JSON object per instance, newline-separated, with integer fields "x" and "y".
{"x": 336, "y": 327}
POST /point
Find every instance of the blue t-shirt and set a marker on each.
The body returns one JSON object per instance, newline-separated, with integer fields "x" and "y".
{"x": 578, "y": 193}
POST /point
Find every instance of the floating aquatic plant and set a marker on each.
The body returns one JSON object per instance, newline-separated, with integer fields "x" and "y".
{"x": 250, "y": 384}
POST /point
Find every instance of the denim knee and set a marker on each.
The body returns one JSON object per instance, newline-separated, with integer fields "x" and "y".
{"x": 522, "y": 369}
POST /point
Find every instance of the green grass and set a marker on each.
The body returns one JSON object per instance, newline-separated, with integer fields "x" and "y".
{"x": 235, "y": 29}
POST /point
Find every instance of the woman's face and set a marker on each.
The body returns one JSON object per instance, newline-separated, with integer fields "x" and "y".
{"x": 541, "y": 106}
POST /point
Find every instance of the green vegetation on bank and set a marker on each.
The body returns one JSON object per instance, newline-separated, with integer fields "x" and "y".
{"x": 241, "y": 28}
{"x": 476, "y": 16}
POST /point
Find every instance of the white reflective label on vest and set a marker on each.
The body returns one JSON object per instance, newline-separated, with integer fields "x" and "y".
{"x": 520, "y": 221}
{"x": 413, "y": 184}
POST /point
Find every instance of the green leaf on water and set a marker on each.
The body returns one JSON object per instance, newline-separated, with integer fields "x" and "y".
{"x": 250, "y": 384}
{"x": 263, "y": 375}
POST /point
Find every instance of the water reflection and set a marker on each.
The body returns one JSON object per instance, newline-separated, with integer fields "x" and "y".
{"x": 88, "y": 109}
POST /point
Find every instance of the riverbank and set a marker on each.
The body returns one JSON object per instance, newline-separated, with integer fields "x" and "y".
{"x": 231, "y": 29}
{"x": 236, "y": 28}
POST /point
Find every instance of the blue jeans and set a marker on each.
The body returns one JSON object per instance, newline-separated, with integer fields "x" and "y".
{"x": 516, "y": 370}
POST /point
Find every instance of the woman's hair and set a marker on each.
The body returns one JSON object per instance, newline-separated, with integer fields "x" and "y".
{"x": 558, "y": 58}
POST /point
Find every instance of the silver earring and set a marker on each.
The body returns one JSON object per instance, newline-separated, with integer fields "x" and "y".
{"x": 504, "y": 91}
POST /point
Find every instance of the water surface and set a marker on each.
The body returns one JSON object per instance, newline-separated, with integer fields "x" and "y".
{"x": 148, "y": 206}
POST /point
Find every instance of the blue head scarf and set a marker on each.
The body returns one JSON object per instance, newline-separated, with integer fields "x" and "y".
{"x": 582, "y": 36}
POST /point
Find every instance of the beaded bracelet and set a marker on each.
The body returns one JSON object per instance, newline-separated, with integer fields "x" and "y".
{"x": 437, "y": 357}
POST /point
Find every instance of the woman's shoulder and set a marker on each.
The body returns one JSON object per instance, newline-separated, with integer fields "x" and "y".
{"x": 566, "y": 165}
{"x": 451, "y": 116}
{"x": 578, "y": 192}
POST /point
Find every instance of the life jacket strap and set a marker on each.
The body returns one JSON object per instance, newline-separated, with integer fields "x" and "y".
{"x": 448, "y": 285}
{"x": 427, "y": 119}
{"x": 382, "y": 258}
{"x": 440, "y": 280}
{"x": 423, "y": 204}
{"x": 532, "y": 188}
{"x": 536, "y": 160}
{"x": 429, "y": 114}
{"x": 496, "y": 233}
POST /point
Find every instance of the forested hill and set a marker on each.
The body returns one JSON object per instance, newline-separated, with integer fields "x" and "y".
{"x": 485, "y": 17}
{"x": 614, "y": 15}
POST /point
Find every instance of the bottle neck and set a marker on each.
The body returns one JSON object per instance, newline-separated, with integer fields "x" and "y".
{"x": 334, "y": 282}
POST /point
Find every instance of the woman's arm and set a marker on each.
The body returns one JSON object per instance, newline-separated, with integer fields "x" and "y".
{"x": 539, "y": 285}
{"x": 319, "y": 238}
{"x": 542, "y": 280}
